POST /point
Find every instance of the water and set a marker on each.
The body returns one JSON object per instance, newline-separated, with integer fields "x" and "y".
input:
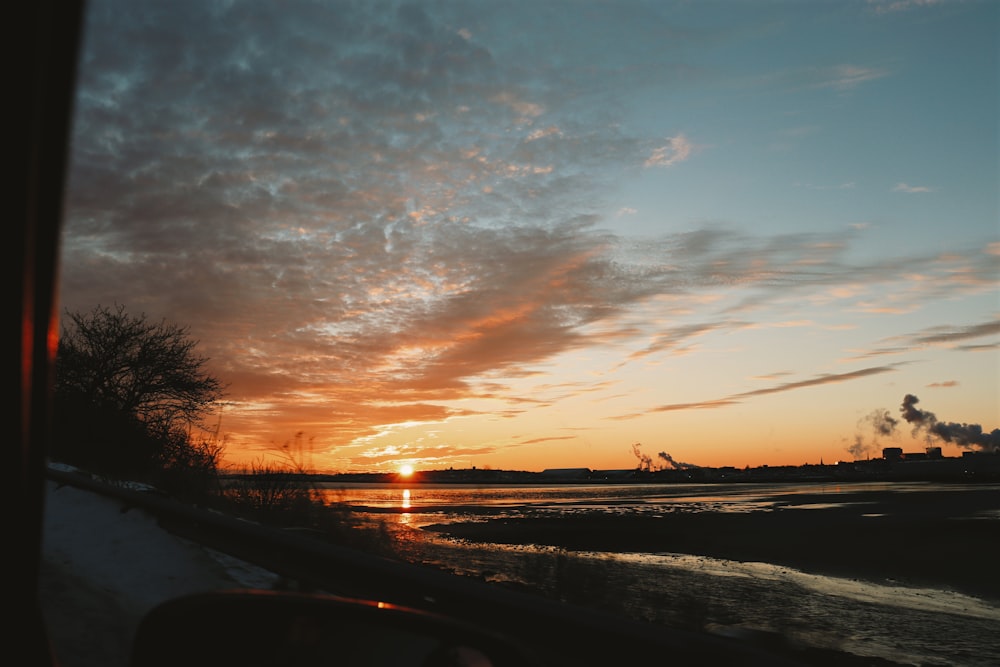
{"x": 906, "y": 624}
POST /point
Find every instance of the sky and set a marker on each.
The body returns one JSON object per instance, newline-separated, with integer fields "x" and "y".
{"x": 529, "y": 235}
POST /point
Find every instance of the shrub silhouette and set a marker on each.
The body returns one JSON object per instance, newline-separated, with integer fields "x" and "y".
{"x": 128, "y": 395}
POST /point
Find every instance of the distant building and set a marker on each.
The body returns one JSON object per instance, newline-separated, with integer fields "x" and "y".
{"x": 624, "y": 473}
{"x": 892, "y": 453}
{"x": 566, "y": 473}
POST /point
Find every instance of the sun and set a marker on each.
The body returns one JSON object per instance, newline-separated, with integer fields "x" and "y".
{"x": 406, "y": 470}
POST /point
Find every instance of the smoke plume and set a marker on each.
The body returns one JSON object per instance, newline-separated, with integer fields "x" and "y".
{"x": 881, "y": 425}
{"x": 970, "y": 436}
{"x": 668, "y": 463}
{"x": 645, "y": 463}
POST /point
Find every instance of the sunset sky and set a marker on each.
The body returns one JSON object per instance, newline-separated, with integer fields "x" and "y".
{"x": 529, "y": 235}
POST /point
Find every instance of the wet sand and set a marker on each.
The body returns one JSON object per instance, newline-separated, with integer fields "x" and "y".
{"x": 940, "y": 540}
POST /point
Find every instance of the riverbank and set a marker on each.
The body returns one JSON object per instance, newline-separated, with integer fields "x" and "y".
{"x": 89, "y": 539}
{"x": 105, "y": 565}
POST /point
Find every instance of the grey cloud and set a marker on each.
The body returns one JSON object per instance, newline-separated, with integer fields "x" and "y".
{"x": 943, "y": 335}
{"x": 979, "y": 348}
{"x": 947, "y": 335}
{"x": 734, "y": 399}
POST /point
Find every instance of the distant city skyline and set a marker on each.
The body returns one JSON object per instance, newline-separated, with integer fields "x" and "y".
{"x": 530, "y": 235}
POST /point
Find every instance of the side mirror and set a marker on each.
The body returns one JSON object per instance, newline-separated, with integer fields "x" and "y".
{"x": 269, "y": 629}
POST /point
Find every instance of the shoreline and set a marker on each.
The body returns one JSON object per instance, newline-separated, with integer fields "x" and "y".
{"x": 895, "y": 541}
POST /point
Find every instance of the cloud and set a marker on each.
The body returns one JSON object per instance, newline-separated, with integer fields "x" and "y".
{"x": 850, "y": 185}
{"x": 986, "y": 347}
{"x": 674, "y": 337}
{"x": 945, "y": 336}
{"x": 827, "y": 378}
{"x": 735, "y": 399}
{"x": 543, "y": 132}
{"x": 911, "y": 189}
{"x": 423, "y": 456}
{"x": 535, "y": 441}
{"x": 677, "y": 149}
{"x": 950, "y": 334}
{"x": 372, "y": 217}
{"x": 889, "y": 6}
{"x": 842, "y": 78}
{"x": 846, "y": 77}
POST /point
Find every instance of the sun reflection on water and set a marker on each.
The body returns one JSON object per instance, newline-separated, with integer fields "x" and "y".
{"x": 404, "y": 517}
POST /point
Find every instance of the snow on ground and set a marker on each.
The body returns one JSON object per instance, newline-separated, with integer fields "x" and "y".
{"x": 123, "y": 551}
{"x": 106, "y": 564}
